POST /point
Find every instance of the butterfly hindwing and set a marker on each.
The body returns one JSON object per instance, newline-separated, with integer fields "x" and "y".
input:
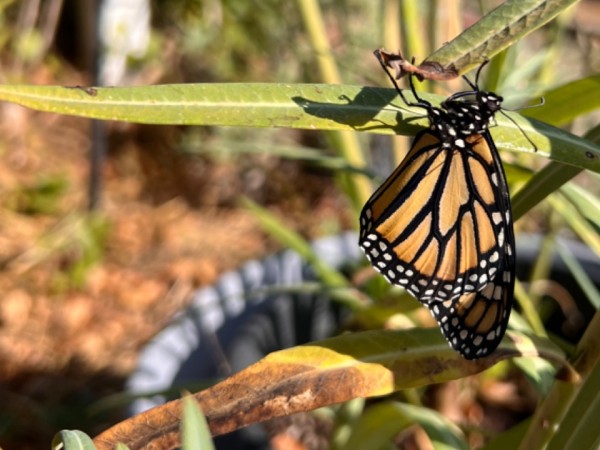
{"x": 475, "y": 323}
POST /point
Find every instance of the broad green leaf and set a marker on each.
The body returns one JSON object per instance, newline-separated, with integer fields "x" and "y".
{"x": 72, "y": 440}
{"x": 567, "y": 102}
{"x": 384, "y": 421}
{"x": 307, "y": 377}
{"x": 499, "y": 29}
{"x": 314, "y": 106}
{"x": 194, "y": 430}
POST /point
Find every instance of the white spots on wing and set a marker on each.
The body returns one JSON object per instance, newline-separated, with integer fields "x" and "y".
{"x": 495, "y": 179}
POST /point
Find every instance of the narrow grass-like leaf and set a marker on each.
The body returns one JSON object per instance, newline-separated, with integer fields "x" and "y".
{"x": 580, "y": 275}
{"x": 540, "y": 185}
{"x": 195, "y": 432}
{"x": 314, "y": 106}
{"x": 579, "y": 428}
{"x": 346, "y": 416}
{"x": 291, "y": 239}
{"x": 72, "y": 440}
{"x": 528, "y": 309}
{"x": 576, "y": 221}
{"x": 384, "y": 421}
{"x": 503, "y": 26}
{"x": 346, "y": 144}
{"x": 311, "y": 155}
{"x": 413, "y": 34}
{"x": 585, "y": 202}
{"x": 554, "y": 406}
{"x": 565, "y": 103}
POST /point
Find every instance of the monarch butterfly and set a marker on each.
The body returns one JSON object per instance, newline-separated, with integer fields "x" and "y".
{"x": 440, "y": 226}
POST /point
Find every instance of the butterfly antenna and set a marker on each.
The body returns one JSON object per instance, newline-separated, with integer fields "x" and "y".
{"x": 535, "y": 149}
{"x": 475, "y": 86}
{"x": 483, "y": 64}
{"x": 542, "y": 102}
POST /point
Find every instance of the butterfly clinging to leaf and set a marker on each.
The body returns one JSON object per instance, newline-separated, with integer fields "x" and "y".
{"x": 440, "y": 226}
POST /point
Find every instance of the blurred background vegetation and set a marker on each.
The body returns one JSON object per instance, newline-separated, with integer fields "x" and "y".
{"x": 92, "y": 266}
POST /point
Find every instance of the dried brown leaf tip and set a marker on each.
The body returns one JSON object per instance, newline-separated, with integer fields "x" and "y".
{"x": 430, "y": 70}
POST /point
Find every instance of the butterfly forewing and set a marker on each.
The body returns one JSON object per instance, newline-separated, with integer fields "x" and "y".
{"x": 436, "y": 226}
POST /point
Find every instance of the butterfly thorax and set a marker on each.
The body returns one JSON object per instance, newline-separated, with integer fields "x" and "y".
{"x": 472, "y": 116}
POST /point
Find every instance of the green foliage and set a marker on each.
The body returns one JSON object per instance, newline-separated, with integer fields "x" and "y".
{"x": 72, "y": 440}
{"x": 43, "y": 197}
{"x": 384, "y": 421}
{"x": 195, "y": 432}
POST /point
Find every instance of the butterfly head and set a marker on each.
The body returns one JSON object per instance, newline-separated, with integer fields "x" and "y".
{"x": 488, "y": 101}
